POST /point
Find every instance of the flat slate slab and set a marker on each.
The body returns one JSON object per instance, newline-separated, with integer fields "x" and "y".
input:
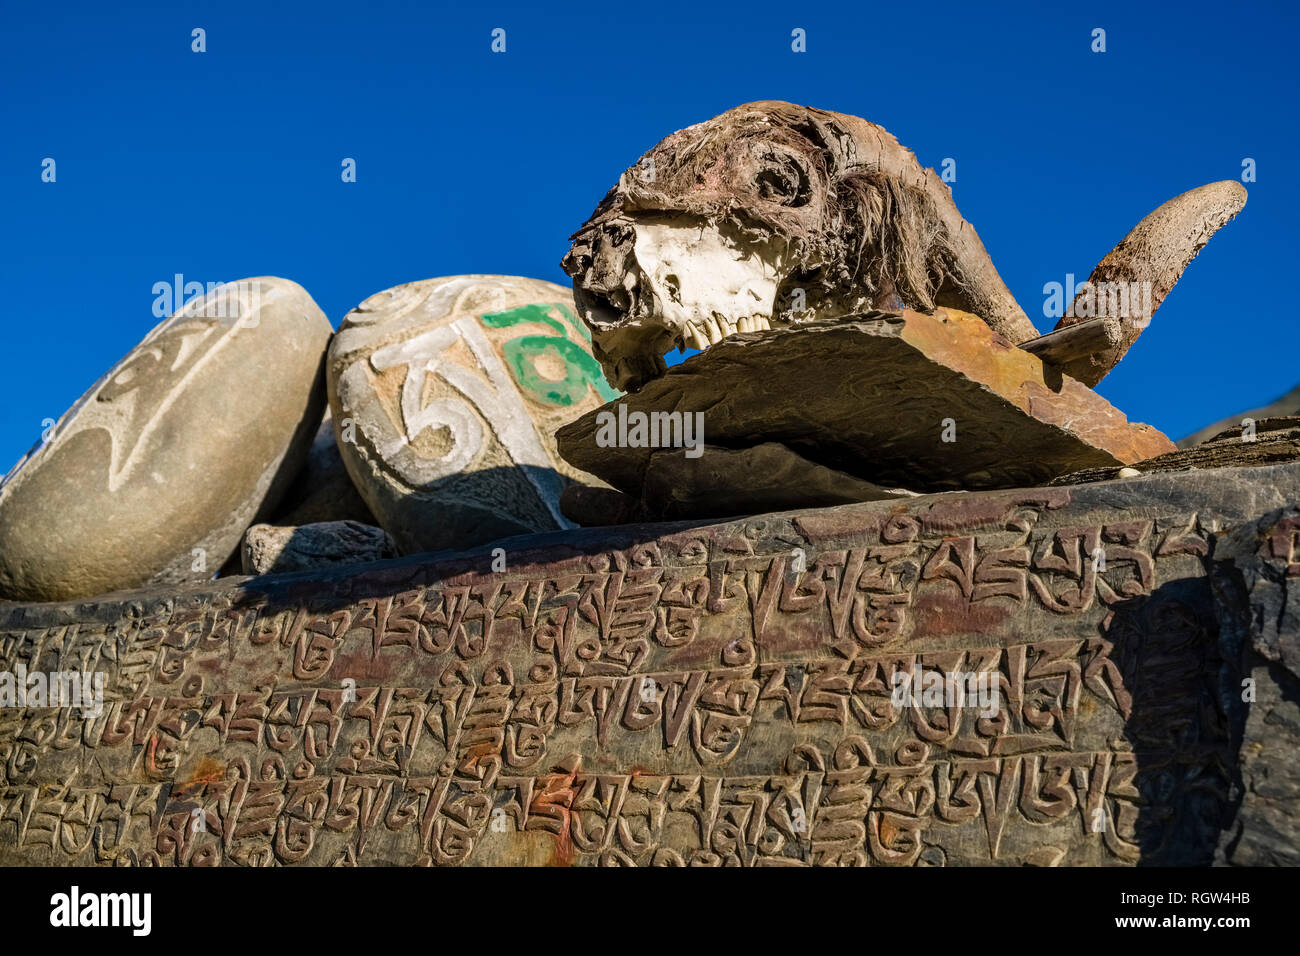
{"x": 776, "y": 479}
{"x": 700, "y": 694}
{"x": 924, "y": 402}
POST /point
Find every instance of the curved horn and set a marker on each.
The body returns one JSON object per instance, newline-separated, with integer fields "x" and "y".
{"x": 1145, "y": 266}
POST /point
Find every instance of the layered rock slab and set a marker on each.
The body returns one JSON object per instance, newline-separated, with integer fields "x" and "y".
{"x": 445, "y": 396}
{"x": 1271, "y": 441}
{"x": 156, "y": 471}
{"x": 908, "y": 400}
{"x": 774, "y": 479}
{"x": 666, "y": 694}
{"x": 1287, "y": 405}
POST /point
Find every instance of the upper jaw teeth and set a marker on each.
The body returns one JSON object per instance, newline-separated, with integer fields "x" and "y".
{"x": 710, "y": 330}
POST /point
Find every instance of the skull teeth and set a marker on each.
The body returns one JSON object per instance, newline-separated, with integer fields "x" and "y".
{"x": 710, "y": 330}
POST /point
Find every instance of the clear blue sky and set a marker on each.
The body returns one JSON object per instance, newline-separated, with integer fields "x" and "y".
{"x": 227, "y": 164}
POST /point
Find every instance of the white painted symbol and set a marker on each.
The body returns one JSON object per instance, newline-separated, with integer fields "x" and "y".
{"x": 497, "y": 400}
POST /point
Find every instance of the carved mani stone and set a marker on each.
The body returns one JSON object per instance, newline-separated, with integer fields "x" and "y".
{"x": 445, "y": 396}
{"x": 755, "y": 692}
{"x": 923, "y": 402}
{"x": 156, "y": 471}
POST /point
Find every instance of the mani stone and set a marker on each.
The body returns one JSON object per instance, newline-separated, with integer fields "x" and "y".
{"x": 156, "y": 471}
{"x": 272, "y": 549}
{"x": 446, "y": 395}
{"x": 902, "y": 400}
{"x": 772, "y": 690}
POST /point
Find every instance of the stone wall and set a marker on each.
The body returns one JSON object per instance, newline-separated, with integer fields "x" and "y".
{"x": 676, "y": 694}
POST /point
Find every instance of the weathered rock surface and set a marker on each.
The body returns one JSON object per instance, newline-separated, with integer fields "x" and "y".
{"x": 873, "y": 398}
{"x": 1287, "y": 405}
{"x": 323, "y": 491}
{"x": 157, "y": 470}
{"x": 1256, "y": 580}
{"x": 445, "y": 396}
{"x": 268, "y": 549}
{"x": 671, "y": 694}
{"x": 1273, "y": 442}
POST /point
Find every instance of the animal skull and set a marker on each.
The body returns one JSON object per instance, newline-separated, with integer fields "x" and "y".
{"x": 773, "y": 214}
{"x": 706, "y": 285}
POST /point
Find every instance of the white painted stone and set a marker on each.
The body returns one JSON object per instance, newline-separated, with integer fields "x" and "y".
{"x": 445, "y": 396}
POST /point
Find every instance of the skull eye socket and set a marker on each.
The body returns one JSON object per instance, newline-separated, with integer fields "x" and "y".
{"x": 782, "y": 180}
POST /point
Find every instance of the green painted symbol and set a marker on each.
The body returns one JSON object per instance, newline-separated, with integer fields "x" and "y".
{"x": 522, "y": 354}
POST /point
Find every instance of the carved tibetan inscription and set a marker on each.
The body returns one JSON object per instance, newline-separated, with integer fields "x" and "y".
{"x": 1003, "y": 678}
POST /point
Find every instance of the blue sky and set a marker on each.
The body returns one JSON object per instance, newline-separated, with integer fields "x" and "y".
{"x": 227, "y": 164}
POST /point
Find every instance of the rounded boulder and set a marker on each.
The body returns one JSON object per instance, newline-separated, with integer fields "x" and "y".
{"x": 446, "y": 395}
{"x": 157, "y": 470}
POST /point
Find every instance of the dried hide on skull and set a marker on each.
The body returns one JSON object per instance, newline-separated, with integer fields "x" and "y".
{"x": 775, "y": 215}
